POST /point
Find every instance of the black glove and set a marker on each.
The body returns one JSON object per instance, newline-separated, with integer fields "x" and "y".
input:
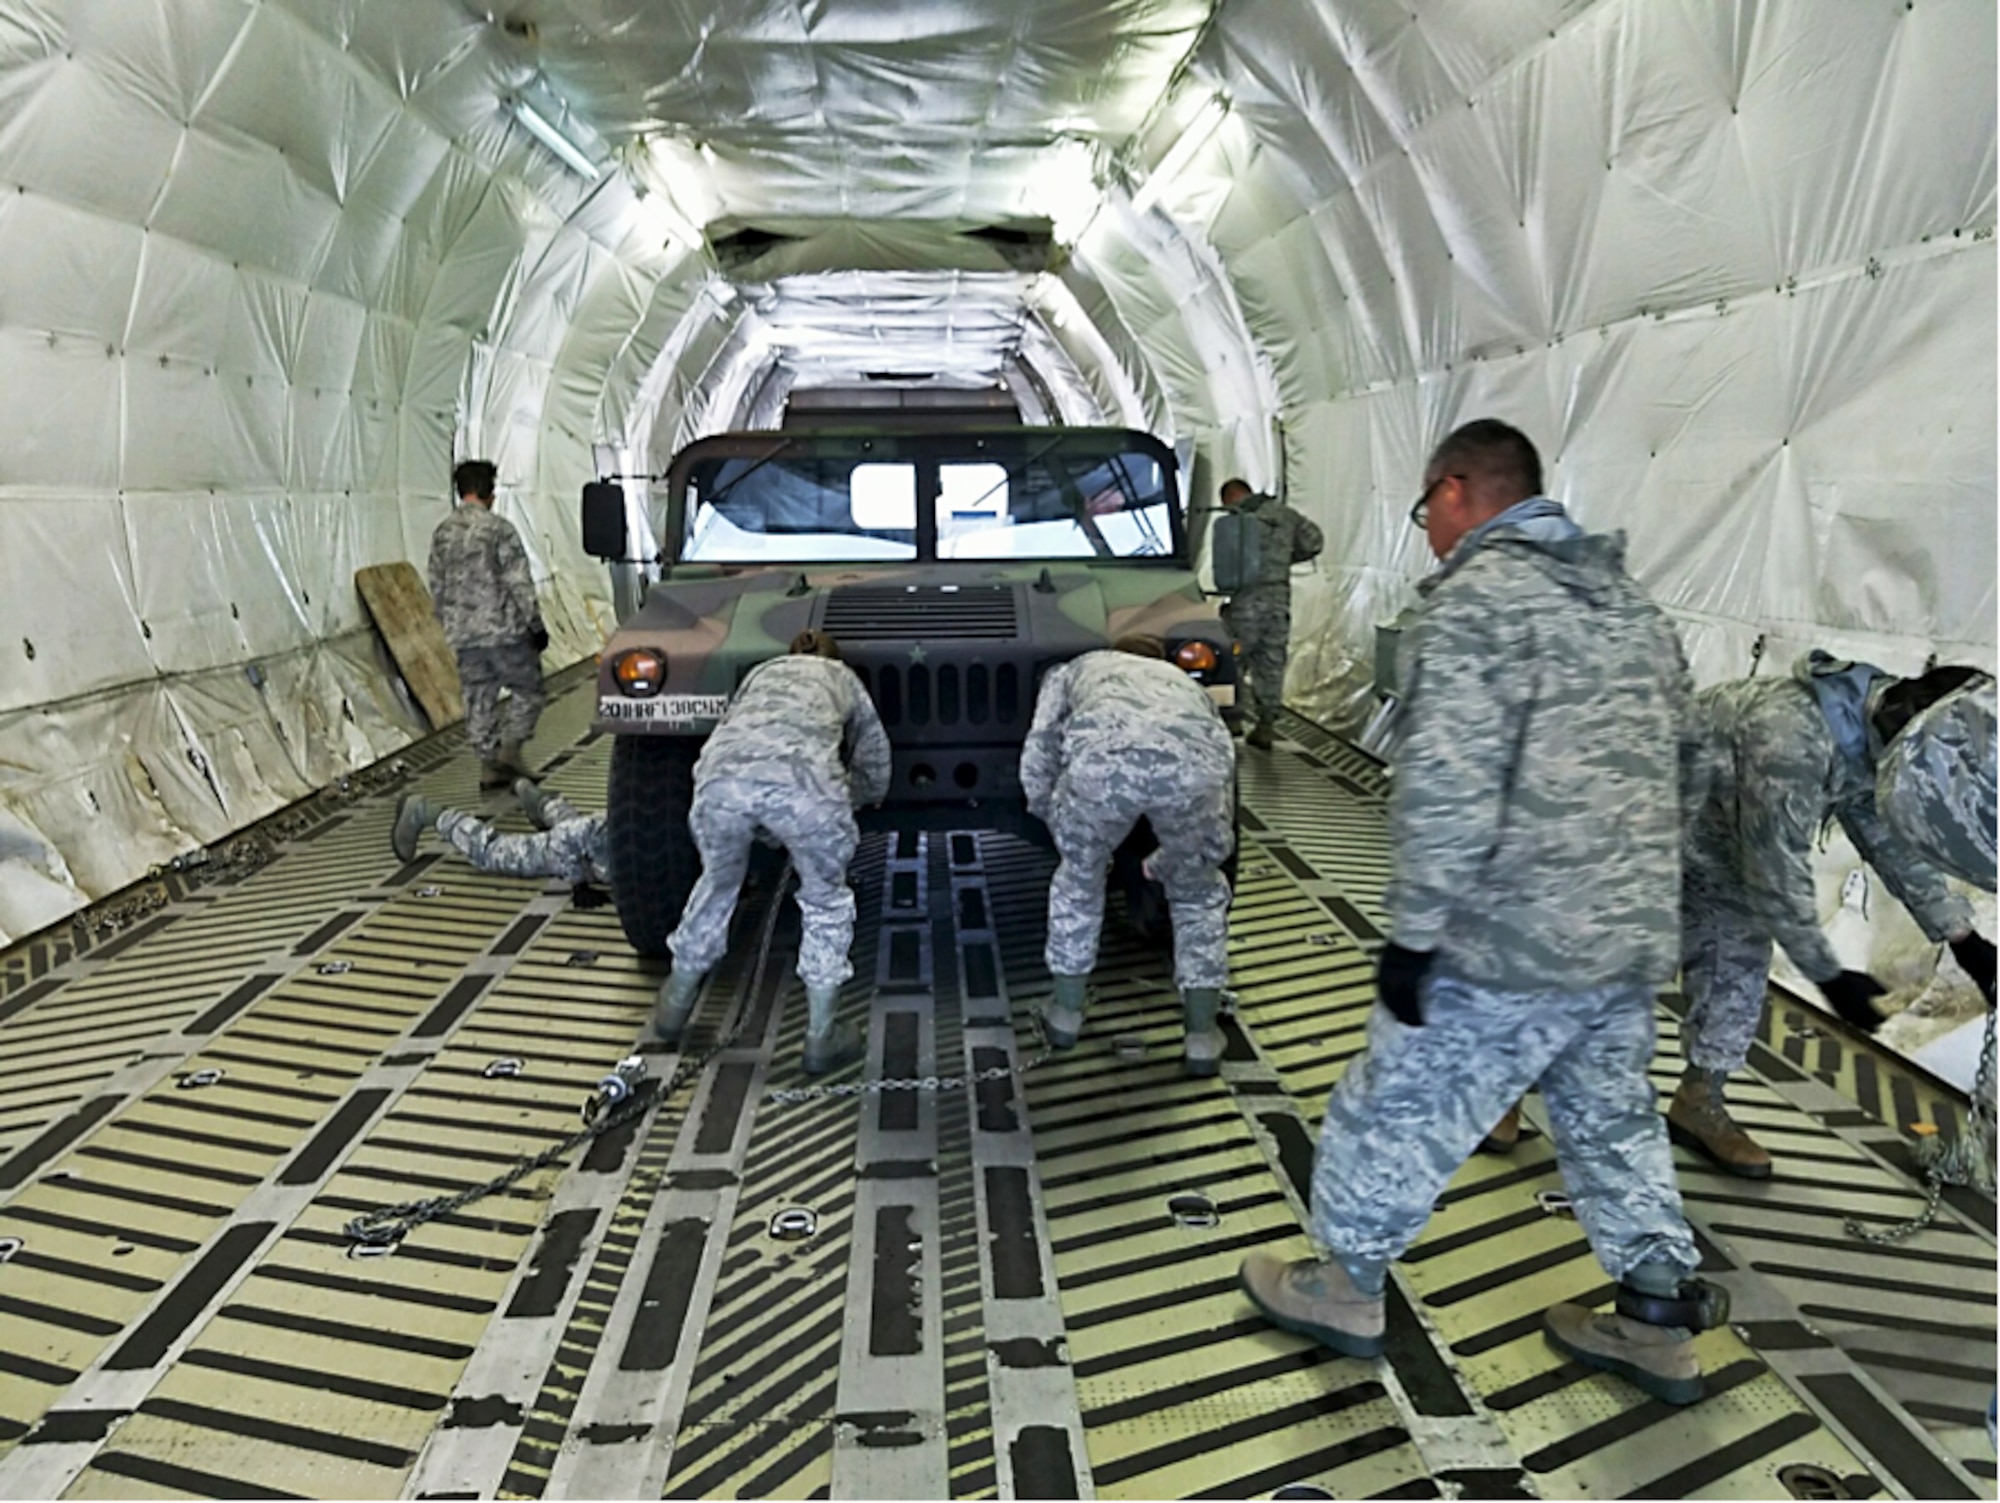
{"x": 1976, "y": 956}
{"x": 1852, "y": 994}
{"x": 1398, "y": 977}
{"x": 538, "y": 637}
{"x": 586, "y": 896}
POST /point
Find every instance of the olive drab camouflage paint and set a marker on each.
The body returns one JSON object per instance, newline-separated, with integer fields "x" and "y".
{"x": 1536, "y": 825}
{"x": 1935, "y": 785}
{"x": 1261, "y": 616}
{"x": 951, "y": 643}
{"x": 484, "y": 596}
{"x": 1413, "y": 1106}
{"x": 798, "y": 748}
{"x": 1779, "y": 775}
{"x": 1116, "y": 738}
{"x": 571, "y": 850}
{"x": 1537, "y": 799}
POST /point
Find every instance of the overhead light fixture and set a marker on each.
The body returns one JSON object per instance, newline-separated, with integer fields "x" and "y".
{"x": 1206, "y": 121}
{"x": 565, "y": 150}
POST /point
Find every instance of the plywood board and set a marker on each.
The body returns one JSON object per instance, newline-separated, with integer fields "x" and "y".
{"x": 396, "y": 597}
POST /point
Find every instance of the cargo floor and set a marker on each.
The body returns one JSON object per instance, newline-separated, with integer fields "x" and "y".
{"x": 964, "y": 1269}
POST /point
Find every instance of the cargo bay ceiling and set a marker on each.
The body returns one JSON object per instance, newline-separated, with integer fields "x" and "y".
{"x": 268, "y": 266}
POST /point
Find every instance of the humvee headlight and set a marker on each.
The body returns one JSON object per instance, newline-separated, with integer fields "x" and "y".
{"x": 640, "y": 673}
{"x": 1195, "y": 657}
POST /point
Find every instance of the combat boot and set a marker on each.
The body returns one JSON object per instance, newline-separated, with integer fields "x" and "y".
{"x": 414, "y": 815}
{"x": 1648, "y": 1340}
{"x": 1062, "y": 1014}
{"x": 514, "y": 763}
{"x": 1698, "y": 1119}
{"x": 1315, "y": 1297}
{"x": 1505, "y": 1134}
{"x": 535, "y": 803}
{"x": 494, "y": 774}
{"x": 1262, "y": 735}
{"x": 829, "y": 1045}
{"x": 1201, "y": 1052}
{"x": 675, "y": 1005}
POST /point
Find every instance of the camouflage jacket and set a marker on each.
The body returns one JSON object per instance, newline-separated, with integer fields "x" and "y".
{"x": 1781, "y": 772}
{"x": 1289, "y": 538}
{"x": 481, "y": 587}
{"x": 1935, "y": 784}
{"x": 802, "y": 721}
{"x": 1536, "y": 809}
{"x": 1114, "y": 707}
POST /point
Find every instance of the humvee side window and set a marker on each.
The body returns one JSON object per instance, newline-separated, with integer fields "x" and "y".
{"x": 799, "y": 509}
{"x": 1053, "y": 506}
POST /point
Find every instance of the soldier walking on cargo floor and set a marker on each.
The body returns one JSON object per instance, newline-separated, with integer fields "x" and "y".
{"x": 1536, "y": 824}
{"x": 798, "y": 749}
{"x": 1788, "y": 755}
{"x": 1260, "y": 615}
{"x": 567, "y": 845}
{"x": 484, "y": 595}
{"x": 1119, "y": 736}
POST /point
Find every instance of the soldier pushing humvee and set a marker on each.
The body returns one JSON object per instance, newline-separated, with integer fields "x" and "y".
{"x": 1118, "y": 737}
{"x": 799, "y": 747}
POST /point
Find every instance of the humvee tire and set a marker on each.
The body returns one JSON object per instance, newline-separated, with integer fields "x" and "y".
{"x": 1146, "y": 911}
{"x": 653, "y": 858}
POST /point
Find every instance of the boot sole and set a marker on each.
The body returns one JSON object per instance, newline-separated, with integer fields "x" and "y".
{"x": 1363, "y": 1348}
{"x": 1675, "y": 1391}
{"x": 1686, "y": 1139}
{"x": 1201, "y": 1069}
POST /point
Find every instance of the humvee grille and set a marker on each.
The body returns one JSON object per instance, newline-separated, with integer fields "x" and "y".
{"x": 917, "y": 695}
{"x": 916, "y": 613}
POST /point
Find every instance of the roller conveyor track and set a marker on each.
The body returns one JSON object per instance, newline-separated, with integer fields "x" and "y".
{"x": 1019, "y": 1282}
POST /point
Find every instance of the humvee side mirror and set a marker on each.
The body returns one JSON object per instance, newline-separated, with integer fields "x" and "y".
{"x": 604, "y": 520}
{"x": 1235, "y": 550}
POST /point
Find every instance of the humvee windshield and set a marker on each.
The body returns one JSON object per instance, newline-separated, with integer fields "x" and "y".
{"x": 1057, "y": 500}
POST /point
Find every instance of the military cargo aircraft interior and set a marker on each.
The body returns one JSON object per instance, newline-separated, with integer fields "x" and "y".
{"x": 952, "y": 749}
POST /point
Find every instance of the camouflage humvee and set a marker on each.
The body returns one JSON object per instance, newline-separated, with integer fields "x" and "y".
{"x": 953, "y": 569}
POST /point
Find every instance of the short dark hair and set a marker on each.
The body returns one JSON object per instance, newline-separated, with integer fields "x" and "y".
{"x": 1908, "y": 698}
{"x": 818, "y": 644}
{"x": 474, "y": 477}
{"x": 1495, "y": 453}
{"x": 1140, "y": 645}
{"x": 1236, "y": 483}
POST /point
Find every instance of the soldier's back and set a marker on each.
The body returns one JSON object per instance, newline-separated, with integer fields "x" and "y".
{"x": 784, "y": 725}
{"x": 1119, "y": 701}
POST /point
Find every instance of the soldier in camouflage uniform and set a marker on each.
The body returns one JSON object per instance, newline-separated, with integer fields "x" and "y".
{"x": 1261, "y": 615}
{"x": 1788, "y": 755}
{"x": 568, "y": 846}
{"x": 1119, "y": 736}
{"x": 1537, "y": 827}
{"x": 485, "y": 597}
{"x": 799, "y": 748}
{"x": 1935, "y": 788}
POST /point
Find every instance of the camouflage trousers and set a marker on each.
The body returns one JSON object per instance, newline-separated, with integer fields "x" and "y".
{"x": 489, "y": 719}
{"x": 572, "y": 850}
{"x": 1725, "y": 968}
{"x": 1263, "y": 624}
{"x": 1412, "y": 1107}
{"x": 1092, "y": 811}
{"x": 820, "y": 835}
